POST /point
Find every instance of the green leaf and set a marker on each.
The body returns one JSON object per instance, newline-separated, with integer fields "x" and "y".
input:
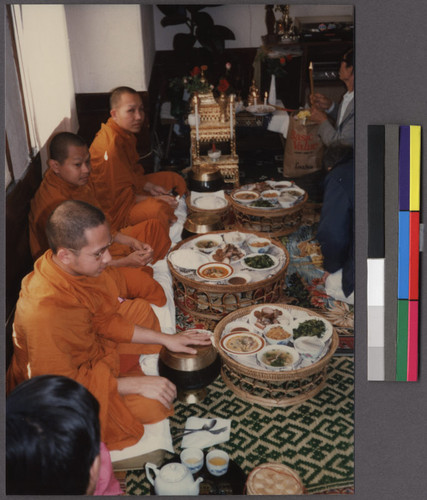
{"x": 223, "y": 32}
{"x": 183, "y": 42}
{"x": 173, "y": 20}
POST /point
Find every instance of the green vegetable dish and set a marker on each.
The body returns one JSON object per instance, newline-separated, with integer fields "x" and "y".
{"x": 262, "y": 203}
{"x": 310, "y": 328}
{"x": 259, "y": 261}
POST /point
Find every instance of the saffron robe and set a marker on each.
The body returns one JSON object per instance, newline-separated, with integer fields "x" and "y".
{"x": 118, "y": 178}
{"x": 53, "y": 191}
{"x": 77, "y": 326}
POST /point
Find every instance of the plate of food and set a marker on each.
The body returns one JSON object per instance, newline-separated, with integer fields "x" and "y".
{"x": 312, "y": 326}
{"x": 263, "y": 316}
{"x": 214, "y": 271}
{"x": 277, "y": 334}
{"x": 242, "y": 343}
{"x": 187, "y": 259}
{"x": 211, "y": 202}
{"x": 260, "y": 261}
{"x": 228, "y": 253}
{"x": 260, "y": 109}
{"x": 245, "y": 196}
{"x": 208, "y": 242}
{"x": 278, "y": 357}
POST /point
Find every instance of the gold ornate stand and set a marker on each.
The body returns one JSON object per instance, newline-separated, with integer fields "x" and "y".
{"x": 217, "y": 124}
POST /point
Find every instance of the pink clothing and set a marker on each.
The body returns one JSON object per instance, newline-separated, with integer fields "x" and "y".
{"x": 107, "y": 484}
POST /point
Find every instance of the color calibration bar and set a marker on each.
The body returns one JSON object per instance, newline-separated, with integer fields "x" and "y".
{"x": 394, "y": 177}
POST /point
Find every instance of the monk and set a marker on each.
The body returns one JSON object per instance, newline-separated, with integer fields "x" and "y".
{"x": 126, "y": 194}
{"x": 80, "y": 318}
{"x": 68, "y": 178}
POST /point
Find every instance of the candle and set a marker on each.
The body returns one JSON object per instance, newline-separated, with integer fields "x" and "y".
{"x": 265, "y": 98}
{"x": 197, "y": 117}
{"x": 255, "y": 101}
{"x": 231, "y": 116}
{"x": 310, "y": 69}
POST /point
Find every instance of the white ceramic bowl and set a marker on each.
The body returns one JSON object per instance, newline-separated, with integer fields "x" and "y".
{"x": 270, "y": 195}
{"x": 237, "y": 278}
{"x": 258, "y": 244}
{"x": 217, "y": 462}
{"x": 210, "y": 202}
{"x": 193, "y": 459}
{"x": 187, "y": 259}
{"x": 245, "y": 196}
{"x": 309, "y": 347}
{"x": 278, "y": 353}
{"x": 237, "y": 326}
{"x": 207, "y": 243}
{"x": 277, "y": 334}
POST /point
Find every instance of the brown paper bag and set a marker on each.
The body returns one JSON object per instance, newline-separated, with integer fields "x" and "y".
{"x": 303, "y": 149}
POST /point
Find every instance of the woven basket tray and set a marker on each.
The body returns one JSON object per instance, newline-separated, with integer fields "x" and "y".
{"x": 223, "y": 212}
{"x": 209, "y": 302}
{"x": 276, "y": 221}
{"x": 274, "y": 479}
{"x": 269, "y": 375}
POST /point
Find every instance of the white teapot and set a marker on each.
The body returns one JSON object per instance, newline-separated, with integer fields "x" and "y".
{"x": 173, "y": 479}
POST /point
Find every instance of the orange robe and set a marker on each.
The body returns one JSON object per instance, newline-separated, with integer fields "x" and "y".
{"x": 118, "y": 177}
{"x": 75, "y": 326}
{"x": 53, "y": 190}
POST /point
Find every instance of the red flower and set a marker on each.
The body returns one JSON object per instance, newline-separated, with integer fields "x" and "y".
{"x": 195, "y": 71}
{"x": 289, "y": 57}
{"x": 282, "y": 60}
{"x": 223, "y": 85}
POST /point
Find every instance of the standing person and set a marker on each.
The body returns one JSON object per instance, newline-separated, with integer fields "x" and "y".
{"x": 53, "y": 441}
{"x": 336, "y": 227}
{"x": 80, "y": 318}
{"x": 342, "y": 129}
{"x": 126, "y": 194}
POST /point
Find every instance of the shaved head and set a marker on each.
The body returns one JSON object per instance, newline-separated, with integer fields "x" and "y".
{"x": 117, "y": 93}
{"x": 58, "y": 147}
{"x": 67, "y": 224}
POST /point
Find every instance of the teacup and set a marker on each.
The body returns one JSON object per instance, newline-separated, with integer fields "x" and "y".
{"x": 217, "y": 462}
{"x": 193, "y": 459}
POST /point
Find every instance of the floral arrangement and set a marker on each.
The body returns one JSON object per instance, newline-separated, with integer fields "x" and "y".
{"x": 195, "y": 82}
{"x": 276, "y": 65}
{"x": 224, "y": 85}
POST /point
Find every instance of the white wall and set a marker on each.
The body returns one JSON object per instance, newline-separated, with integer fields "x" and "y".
{"x": 246, "y": 22}
{"x": 106, "y": 44}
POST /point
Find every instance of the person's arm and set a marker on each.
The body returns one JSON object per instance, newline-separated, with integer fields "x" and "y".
{"x": 153, "y": 387}
{"x": 179, "y": 342}
{"x": 159, "y": 192}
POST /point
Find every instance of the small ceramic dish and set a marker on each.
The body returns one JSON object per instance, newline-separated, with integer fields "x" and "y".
{"x": 259, "y": 245}
{"x": 309, "y": 347}
{"x": 214, "y": 271}
{"x": 241, "y": 278}
{"x": 260, "y": 262}
{"x": 278, "y": 357}
{"x": 245, "y": 196}
{"x": 214, "y": 155}
{"x": 237, "y": 326}
{"x": 207, "y": 243}
{"x": 270, "y": 195}
{"x": 242, "y": 343}
{"x": 277, "y": 334}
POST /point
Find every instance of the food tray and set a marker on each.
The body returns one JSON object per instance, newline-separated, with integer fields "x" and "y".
{"x": 273, "y": 388}
{"x": 208, "y": 301}
{"x": 224, "y": 212}
{"x": 274, "y": 221}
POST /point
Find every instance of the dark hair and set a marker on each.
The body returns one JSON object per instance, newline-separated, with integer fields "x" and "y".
{"x": 52, "y": 437}
{"x": 67, "y": 224}
{"x": 348, "y": 58}
{"x": 59, "y": 144}
{"x": 117, "y": 93}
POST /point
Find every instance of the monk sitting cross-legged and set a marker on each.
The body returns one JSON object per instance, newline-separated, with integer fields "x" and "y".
{"x": 76, "y": 316}
{"x": 68, "y": 178}
{"x": 126, "y": 194}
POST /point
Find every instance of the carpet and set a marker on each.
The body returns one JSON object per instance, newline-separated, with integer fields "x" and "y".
{"x": 315, "y": 438}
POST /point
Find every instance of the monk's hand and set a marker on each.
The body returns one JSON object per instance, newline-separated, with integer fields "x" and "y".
{"x": 154, "y": 189}
{"x": 170, "y": 200}
{"x": 152, "y": 387}
{"x": 139, "y": 258}
{"x": 317, "y": 115}
{"x": 182, "y": 342}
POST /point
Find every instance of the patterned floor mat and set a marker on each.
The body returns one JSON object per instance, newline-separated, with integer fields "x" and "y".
{"x": 315, "y": 438}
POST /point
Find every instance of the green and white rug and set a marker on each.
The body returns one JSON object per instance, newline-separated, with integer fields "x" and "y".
{"x": 315, "y": 438}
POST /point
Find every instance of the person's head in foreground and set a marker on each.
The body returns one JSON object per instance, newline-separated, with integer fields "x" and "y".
{"x": 346, "y": 71}
{"x": 69, "y": 158}
{"x": 79, "y": 237}
{"x": 127, "y": 109}
{"x": 52, "y": 438}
